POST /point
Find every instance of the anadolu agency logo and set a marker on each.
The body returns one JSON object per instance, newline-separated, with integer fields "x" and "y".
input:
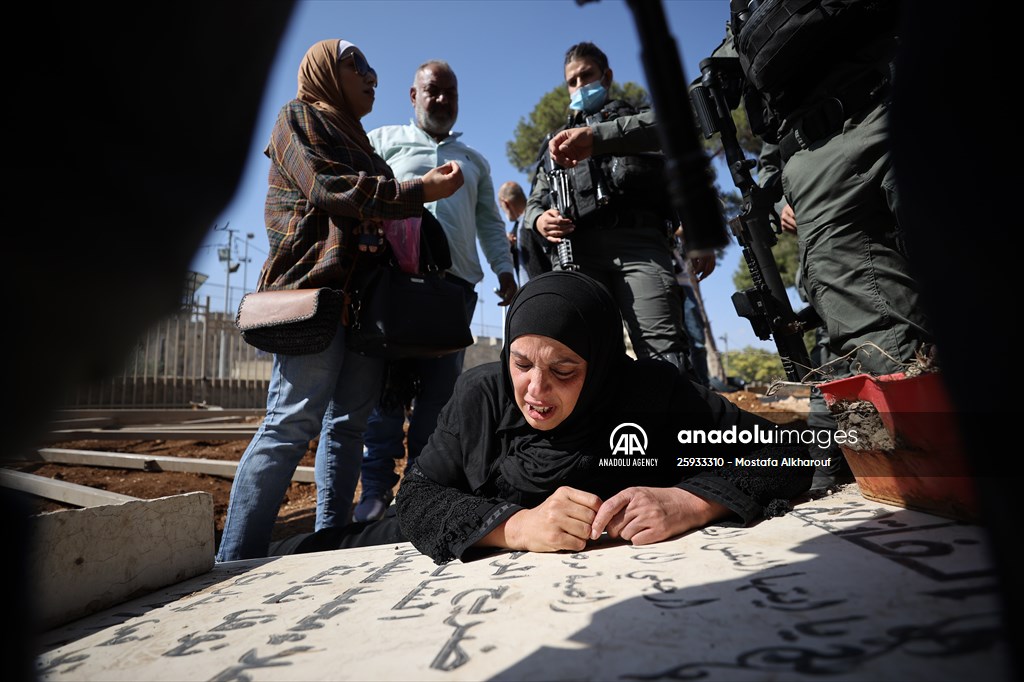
{"x": 628, "y": 446}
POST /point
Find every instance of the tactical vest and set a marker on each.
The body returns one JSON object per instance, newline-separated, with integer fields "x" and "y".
{"x": 611, "y": 190}
{"x": 788, "y": 48}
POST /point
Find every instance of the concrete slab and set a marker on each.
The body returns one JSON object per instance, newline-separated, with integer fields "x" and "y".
{"x": 842, "y": 588}
{"x": 124, "y": 460}
{"x": 86, "y": 560}
{"x": 61, "y": 491}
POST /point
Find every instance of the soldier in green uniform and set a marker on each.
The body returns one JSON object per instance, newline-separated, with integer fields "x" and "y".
{"x": 826, "y": 103}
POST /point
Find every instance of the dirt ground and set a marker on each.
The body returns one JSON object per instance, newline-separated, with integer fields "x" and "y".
{"x": 298, "y": 511}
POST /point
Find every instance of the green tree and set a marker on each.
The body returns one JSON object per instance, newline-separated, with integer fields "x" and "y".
{"x": 755, "y": 365}
{"x": 550, "y": 114}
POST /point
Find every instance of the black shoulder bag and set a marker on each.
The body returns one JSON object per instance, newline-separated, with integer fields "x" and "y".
{"x": 393, "y": 314}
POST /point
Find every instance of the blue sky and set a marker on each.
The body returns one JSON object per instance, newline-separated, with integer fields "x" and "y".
{"x": 506, "y": 54}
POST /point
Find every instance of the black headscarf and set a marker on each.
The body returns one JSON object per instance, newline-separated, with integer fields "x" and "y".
{"x": 579, "y": 312}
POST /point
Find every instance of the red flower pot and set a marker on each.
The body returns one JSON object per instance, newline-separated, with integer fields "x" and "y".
{"x": 922, "y": 463}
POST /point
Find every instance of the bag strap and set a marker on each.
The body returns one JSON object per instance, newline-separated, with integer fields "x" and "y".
{"x": 346, "y": 292}
{"x": 427, "y": 254}
{"x": 435, "y": 249}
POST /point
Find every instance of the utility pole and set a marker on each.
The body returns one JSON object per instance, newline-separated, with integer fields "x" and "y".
{"x": 245, "y": 272}
{"x": 224, "y": 254}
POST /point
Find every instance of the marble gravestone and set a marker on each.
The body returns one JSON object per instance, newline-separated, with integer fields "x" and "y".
{"x": 841, "y": 588}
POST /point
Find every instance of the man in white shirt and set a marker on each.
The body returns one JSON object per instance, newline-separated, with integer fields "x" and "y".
{"x": 468, "y": 216}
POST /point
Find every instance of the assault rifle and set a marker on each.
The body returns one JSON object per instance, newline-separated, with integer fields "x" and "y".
{"x": 561, "y": 200}
{"x": 766, "y": 303}
{"x": 577, "y": 193}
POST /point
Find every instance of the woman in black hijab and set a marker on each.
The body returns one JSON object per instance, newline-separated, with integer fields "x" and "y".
{"x": 525, "y": 454}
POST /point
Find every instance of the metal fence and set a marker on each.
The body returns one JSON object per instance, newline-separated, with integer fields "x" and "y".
{"x": 196, "y": 357}
{"x": 488, "y": 321}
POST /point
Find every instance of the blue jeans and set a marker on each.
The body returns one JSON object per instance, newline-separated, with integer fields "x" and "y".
{"x": 384, "y": 435}
{"x": 306, "y": 394}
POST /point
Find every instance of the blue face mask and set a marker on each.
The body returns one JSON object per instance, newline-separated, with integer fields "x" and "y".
{"x": 589, "y": 98}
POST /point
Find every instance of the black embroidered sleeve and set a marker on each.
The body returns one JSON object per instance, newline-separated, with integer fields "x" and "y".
{"x": 443, "y": 522}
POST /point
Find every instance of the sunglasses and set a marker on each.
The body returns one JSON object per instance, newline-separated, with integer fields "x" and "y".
{"x": 362, "y": 66}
